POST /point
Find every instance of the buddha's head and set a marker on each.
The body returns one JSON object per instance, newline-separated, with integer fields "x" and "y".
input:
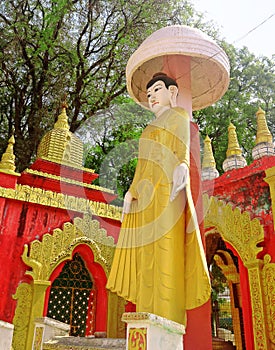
{"x": 162, "y": 93}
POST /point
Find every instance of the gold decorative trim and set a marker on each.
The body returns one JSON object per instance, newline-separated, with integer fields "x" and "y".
{"x": 137, "y": 339}
{"x": 235, "y": 227}
{"x": 21, "y": 319}
{"x": 65, "y": 163}
{"x": 270, "y": 179}
{"x": 229, "y": 269}
{"x": 268, "y": 277}
{"x": 225, "y": 262}
{"x": 258, "y": 319}
{"x": 59, "y": 200}
{"x": 44, "y": 256}
{"x": 244, "y": 235}
{"x": 148, "y": 318}
{"x": 67, "y": 180}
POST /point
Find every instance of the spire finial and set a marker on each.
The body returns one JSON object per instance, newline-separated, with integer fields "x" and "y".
{"x": 62, "y": 121}
{"x": 234, "y": 158}
{"x": 264, "y": 145}
{"x": 209, "y": 171}
{"x": 233, "y": 144}
{"x": 7, "y": 164}
{"x": 263, "y": 133}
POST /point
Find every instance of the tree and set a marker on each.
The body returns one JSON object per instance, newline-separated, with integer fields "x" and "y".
{"x": 252, "y": 85}
{"x": 111, "y": 144}
{"x": 76, "y": 47}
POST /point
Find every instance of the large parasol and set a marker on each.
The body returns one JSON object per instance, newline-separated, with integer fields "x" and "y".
{"x": 189, "y": 56}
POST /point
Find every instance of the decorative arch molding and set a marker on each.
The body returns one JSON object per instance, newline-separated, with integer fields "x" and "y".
{"x": 228, "y": 268}
{"x": 244, "y": 234}
{"x": 235, "y": 227}
{"x": 43, "y": 257}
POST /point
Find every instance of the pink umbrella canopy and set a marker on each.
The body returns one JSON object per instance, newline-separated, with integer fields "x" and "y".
{"x": 165, "y": 50}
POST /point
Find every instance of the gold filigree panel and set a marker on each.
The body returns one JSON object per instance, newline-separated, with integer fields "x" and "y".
{"x": 59, "y": 200}
{"x": 268, "y": 277}
{"x": 235, "y": 227}
{"x": 229, "y": 269}
{"x": 44, "y": 256}
{"x": 137, "y": 339}
{"x": 21, "y": 320}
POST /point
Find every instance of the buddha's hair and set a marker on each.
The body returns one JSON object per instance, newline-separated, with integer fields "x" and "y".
{"x": 162, "y": 77}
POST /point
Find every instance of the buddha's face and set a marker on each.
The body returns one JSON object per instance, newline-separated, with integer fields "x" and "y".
{"x": 159, "y": 97}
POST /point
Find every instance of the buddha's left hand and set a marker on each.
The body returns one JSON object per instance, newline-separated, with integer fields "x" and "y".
{"x": 180, "y": 177}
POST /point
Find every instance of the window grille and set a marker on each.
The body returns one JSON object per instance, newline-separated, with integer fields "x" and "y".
{"x": 73, "y": 298}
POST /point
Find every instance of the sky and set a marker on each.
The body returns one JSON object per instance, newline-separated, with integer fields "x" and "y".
{"x": 236, "y": 18}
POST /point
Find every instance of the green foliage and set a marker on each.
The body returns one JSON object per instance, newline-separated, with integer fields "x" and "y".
{"x": 75, "y": 47}
{"x": 80, "y": 48}
{"x": 251, "y": 86}
{"x": 218, "y": 281}
{"x": 111, "y": 144}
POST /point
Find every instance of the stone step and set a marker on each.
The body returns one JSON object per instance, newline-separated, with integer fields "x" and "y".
{"x": 87, "y": 343}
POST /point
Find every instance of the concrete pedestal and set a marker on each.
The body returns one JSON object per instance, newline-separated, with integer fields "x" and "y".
{"x": 6, "y": 333}
{"x": 47, "y": 328}
{"x": 150, "y": 332}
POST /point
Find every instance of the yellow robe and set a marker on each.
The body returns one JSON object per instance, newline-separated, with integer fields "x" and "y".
{"x": 159, "y": 262}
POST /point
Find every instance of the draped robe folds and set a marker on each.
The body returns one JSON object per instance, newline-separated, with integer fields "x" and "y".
{"x": 159, "y": 262}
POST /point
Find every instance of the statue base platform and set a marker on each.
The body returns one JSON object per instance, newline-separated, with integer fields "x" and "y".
{"x": 6, "y": 333}
{"x": 150, "y": 332}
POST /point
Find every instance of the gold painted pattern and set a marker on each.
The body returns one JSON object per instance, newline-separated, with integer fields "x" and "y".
{"x": 137, "y": 339}
{"x": 268, "y": 274}
{"x": 59, "y": 200}
{"x": 243, "y": 234}
{"x": 44, "y": 256}
{"x": 260, "y": 341}
{"x": 67, "y": 180}
{"x": 236, "y": 228}
{"x": 23, "y": 295}
{"x": 38, "y": 338}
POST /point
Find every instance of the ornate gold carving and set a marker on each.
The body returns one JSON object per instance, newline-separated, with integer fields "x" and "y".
{"x": 21, "y": 320}
{"x": 244, "y": 235}
{"x": 225, "y": 262}
{"x": 44, "y": 256}
{"x": 229, "y": 269}
{"x": 67, "y": 180}
{"x": 58, "y": 200}
{"x": 116, "y": 307}
{"x": 270, "y": 179}
{"x": 38, "y": 338}
{"x": 60, "y": 145}
{"x": 137, "y": 339}
{"x": 268, "y": 278}
{"x": 259, "y": 326}
{"x": 235, "y": 227}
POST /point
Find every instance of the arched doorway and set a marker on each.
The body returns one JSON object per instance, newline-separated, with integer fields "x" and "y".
{"x": 72, "y": 298}
{"x": 46, "y": 259}
{"x": 227, "y": 314}
{"x": 243, "y": 236}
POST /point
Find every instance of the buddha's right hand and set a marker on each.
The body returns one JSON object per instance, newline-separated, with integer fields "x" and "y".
{"x": 126, "y": 204}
